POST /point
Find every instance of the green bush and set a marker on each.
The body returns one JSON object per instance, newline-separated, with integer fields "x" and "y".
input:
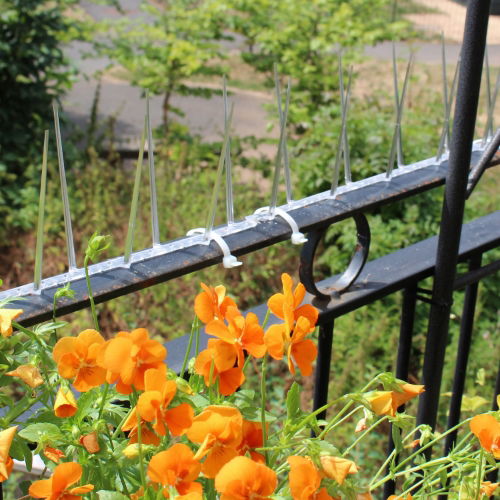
{"x": 33, "y": 72}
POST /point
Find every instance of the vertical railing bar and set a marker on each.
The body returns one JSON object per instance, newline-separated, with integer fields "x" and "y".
{"x": 129, "y": 241}
{"x": 343, "y": 126}
{"x": 37, "y": 279}
{"x": 215, "y": 193}
{"x": 488, "y": 133}
{"x": 228, "y": 161}
{"x": 279, "y": 155}
{"x": 323, "y": 363}
{"x": 476, "y": 24}
{"x": 155, "y": 229}
{"x": 403, "y": 356}
{"x": 464, "y": 343}
{"x": 64, "y": 191}
{"x": 286, "y": 161}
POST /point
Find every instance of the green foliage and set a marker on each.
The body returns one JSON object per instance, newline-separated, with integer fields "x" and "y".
{"x": 33, "y": 72}
{"x": 304, "y": 37}
{"x": 175, "y": 43}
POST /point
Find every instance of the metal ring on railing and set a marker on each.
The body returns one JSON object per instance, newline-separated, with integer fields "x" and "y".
{"x": 355, "y": 266}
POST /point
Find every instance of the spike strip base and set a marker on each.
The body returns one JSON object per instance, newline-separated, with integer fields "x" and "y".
{"x": 297, "y": 237}
{"x": 228, "y": 260}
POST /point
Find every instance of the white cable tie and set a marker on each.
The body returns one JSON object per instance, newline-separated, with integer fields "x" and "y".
{"x": 228, "y": 261}
{"x": 297, "y": 237}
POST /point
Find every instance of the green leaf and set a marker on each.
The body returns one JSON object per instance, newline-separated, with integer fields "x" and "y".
{"x": 472, "y": 403}
{"x": 110, "y": 495}
{"x": 42, "y": 432}
{"x": 396, "y": 437}
{"x": 293, "y": 401}
{"x": 48, "y": 327}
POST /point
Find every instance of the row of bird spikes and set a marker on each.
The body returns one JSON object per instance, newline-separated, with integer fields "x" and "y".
{"x": 281, "y": 161}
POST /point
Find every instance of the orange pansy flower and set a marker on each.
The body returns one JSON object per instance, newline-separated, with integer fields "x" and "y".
{"x": 387, "y": 402}
{"x": 223, "y": 357}
{"x": 128, "y": 356}
{"x": 53, "y": 454}
{"x": 65, "y": 403}
{"x": 243, "y": 479}
{"x": 6, "y": 462}
{"x": 364, "y": 496}
{"x": 219, "y": 431}
{"x": 90, "y": 442}
{"x": 488, "y": 488}
{"x": 252, "y": 438}
{"x": 286, "y": 305}
{"x": 176, "y": 467}
{"x": 76, "y": 357}
{"x": 152, "y": 405}
{"x": 337, "y": 468}
{"x": 305, "y": 480}
{"x": 395, "y": 497}
{"x": 244, "y": 333}
{"x": 212, "y": 303}
{"x": 29, "y": 374}
{"x": 300, "y": 351}
{"x": 487, "y": 429}
{"x": 7, "y": 316}
{"x": 147, "y": 435}
{"x": 58, "y": 486}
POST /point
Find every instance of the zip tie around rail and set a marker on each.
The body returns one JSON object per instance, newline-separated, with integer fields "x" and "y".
{"x": 228, "y": 261}
{"x": 297, "y": 237}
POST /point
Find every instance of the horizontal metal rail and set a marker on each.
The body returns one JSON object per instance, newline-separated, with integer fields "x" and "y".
{"x": 113, "y": 278}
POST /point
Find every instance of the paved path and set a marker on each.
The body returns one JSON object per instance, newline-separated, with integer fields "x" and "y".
{"x": 204, "y": 116}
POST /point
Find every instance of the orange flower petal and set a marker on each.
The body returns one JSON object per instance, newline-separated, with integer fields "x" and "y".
{"x": 149, "y": 404}
{"x": 217, "y": 458}
{"x": 6, "y": 437}
{"x": 53, "y": 454}
{"x": 41, "y": 489}
{"x": 90, "y": 442}
{"x": 244, "y": 478}
{"x": 276, "y": 303}
{"x": 274, "y": 340}
{"x": 65, "y": 475}
{"x": 230, "y": 380}
{"x": 303, "y": 354}
{"x": 29, "y": 374}
{"x": 65, "y": 403}
{"x": 179, "y": 419}
{"x": 304, "y": 478}
{"x": 220, "y": 330}
{"x": 487, "y": 429}
{"x": 337, "y": 468}
{"x": 7, "y": 316}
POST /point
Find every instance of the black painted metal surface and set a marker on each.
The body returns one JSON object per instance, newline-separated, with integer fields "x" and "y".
{"x": 476, "y": 25}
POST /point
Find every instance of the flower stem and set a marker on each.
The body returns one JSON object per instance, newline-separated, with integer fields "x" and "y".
{"x": 89, "y": 288}
{"x": 103, "y": 400}
{"x": 141, "y": 456}
{"x": 363, "y": 434}
{"x": 263, "y": 403}
{"x": 194, "y": 328}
